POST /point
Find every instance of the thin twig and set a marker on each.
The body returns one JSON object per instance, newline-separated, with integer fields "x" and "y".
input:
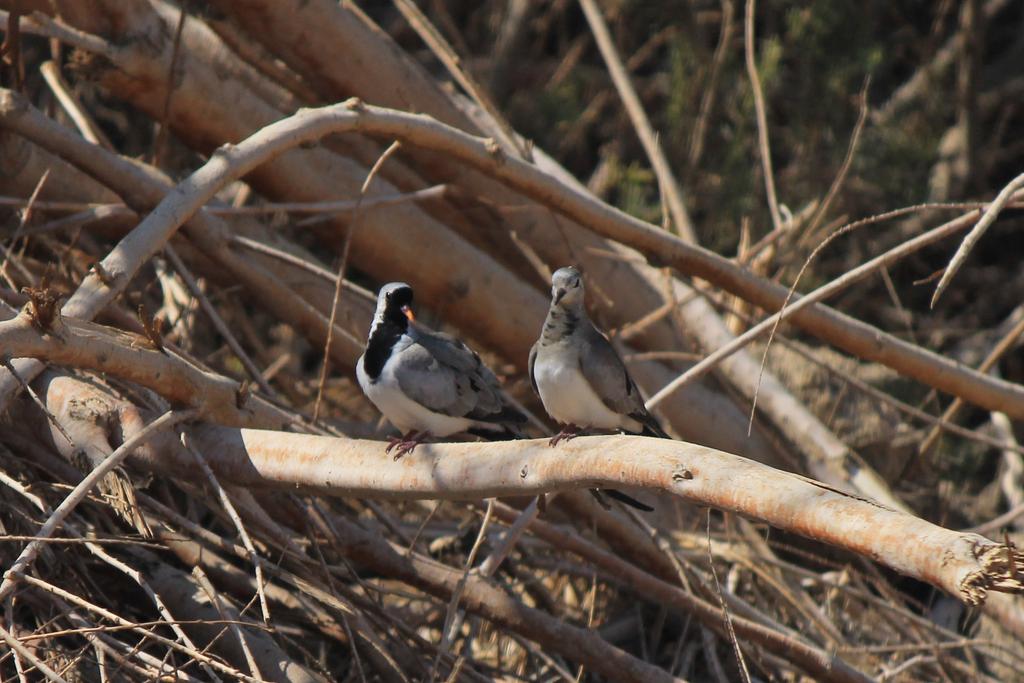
{"x": 23, "y": 651}
{"x": 85, "y": 125}
{"x": 217, "y": 320}
{"x": 997, "y": 522}
{"x": 509, "y": 539}
{"x": 23, "y": 221}
{"x": 453, "y": 617}
{"x": 762, "y": 118}
{"x": 444, "y": 52}
{"x": 165, "y": 115}
{"x": 196, "y": 654}
{"x": 330, "y": 209}
{"x": 38, "y": 401}
{"x": 161, "y": 607}
{"x": 225, "y": 501}
{"x": 987, "y": 219}
{"x": 819, "y": 294}
{"x": 9, "y": 618}
{"x": 339, "y": 206}
{"x": 844, "y": 168}
{"x": 710, "y": 86}
{"x": 222, "y": 609}
{"x": 740, "y": 661}
{"x": 1008, "y": 341}
{"x": 342, "y": 265}
{"x": 42, "y": 24}
{"x": 592, "y": 600}
{"x": 670, "y": 188}
{"x": 879, "y": 395}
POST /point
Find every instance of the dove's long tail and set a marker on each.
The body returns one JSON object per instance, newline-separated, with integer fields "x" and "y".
{"x": 497, "y": 432}
{"x": 651, "y": 425}
{"x": 655, "y": 430}
{"x": 622, "y": 498}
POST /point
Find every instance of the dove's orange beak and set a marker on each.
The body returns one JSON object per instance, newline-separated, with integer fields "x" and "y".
{"x": 408, "y": 313}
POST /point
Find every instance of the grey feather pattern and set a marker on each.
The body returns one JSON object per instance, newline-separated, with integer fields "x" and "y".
{"x": 606, "y": 373}
{"x": 444, "y": 375}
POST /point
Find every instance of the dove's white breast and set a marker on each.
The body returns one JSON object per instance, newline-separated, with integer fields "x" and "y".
{"x": 568, "y": 397}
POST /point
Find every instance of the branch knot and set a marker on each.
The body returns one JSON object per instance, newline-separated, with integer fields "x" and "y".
{"x": 495, "y": 150}
{"x": 680, "y": 474}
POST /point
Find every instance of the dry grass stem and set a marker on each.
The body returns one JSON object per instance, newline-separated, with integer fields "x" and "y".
{"x": 762, "y": 117}
{"x": 987, "y": 219}
{"x": 670, "y": 187}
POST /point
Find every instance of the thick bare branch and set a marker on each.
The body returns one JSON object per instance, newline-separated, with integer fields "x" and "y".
{"x": 85, "y": 345}
{"x": 964, "y": 565}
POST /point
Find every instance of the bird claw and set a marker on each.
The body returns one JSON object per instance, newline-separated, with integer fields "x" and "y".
{"x": 406, "y": 443}
{"x": 568, "y": 432}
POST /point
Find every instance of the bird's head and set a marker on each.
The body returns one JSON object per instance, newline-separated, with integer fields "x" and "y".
{"x": 394, "y": 304}
{"x": 567, "y": 287}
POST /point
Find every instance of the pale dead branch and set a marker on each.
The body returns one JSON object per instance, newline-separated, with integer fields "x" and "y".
{"x": 86, "y": 345}
{"x": 964, "y": 565}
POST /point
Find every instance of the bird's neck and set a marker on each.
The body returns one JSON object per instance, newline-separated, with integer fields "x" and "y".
{"x": 560, "y": 323}
{"x": 384, "y": 334}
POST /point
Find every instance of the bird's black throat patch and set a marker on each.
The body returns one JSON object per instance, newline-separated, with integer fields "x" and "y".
{"x": 382, "y": 340}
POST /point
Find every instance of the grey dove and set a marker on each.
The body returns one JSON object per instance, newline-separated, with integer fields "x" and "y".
{"x": 578, "y": 375}
{"x": 427, "y": 383}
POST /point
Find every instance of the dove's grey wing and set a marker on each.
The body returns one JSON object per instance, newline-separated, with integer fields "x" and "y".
{"x": 606, "y": 373}
{"x": 447, "y": 349}
{"x": 452, "y": 353}
{"x": 444, "y": 375}
{"x": 608, "y": 377}
{"x": 432, "y": 384}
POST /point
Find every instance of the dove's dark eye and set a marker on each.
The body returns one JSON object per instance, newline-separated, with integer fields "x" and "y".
{"x": 401, "y": 296}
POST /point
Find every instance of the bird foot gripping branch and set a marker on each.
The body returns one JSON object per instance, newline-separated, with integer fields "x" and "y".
{"x": 406, "y": 443}
{"x": 567, "y": 432}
